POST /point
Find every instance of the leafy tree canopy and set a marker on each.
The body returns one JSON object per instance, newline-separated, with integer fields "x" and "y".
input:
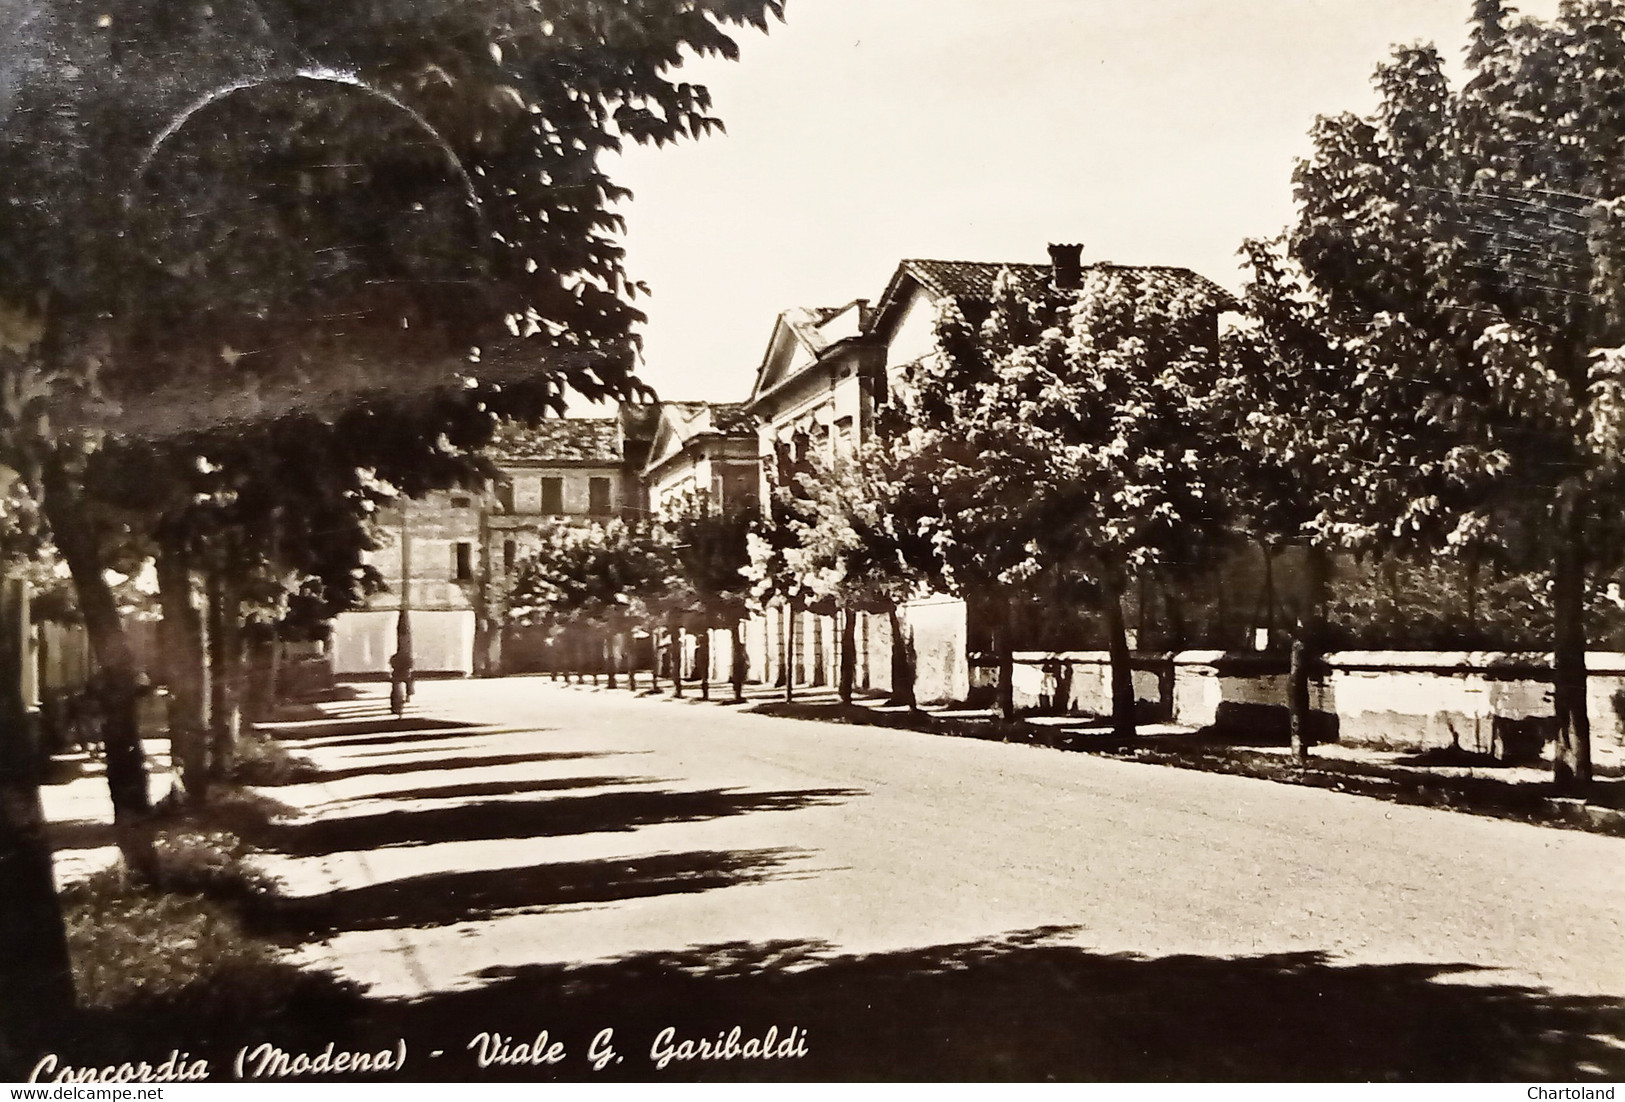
{"x": 213, "y": 209}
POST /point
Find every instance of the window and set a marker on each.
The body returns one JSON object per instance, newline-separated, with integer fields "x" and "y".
{"x": 510, "y": 552}
{"x": 845, "y": 442}
{"x": 505, "y": 496}
{"x": 462, "y": 561}
{"x": 553, "y": 496}
{"x": 459, "y": 502}
{"x": 598, "y": 496}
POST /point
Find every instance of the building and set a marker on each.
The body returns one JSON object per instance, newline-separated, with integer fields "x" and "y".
{"x": 821, "y": 380}
{"x": 571, "y": 471}
{"x": 428, "y": 555}
{"x": 702, "y": 451}
{"x": 823, "y": 376}
{"x": 450, "y": 555}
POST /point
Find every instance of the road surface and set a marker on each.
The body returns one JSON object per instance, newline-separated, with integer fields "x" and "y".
{"x": 560, "y": 826}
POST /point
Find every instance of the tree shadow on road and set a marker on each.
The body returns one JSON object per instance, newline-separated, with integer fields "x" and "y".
{"x": 338, "y": 727}
{"x": 494, "y": 819}
{"x": 435, "y": 734}
{"x": 1025, "y": 1007}
{"x": 504, "y": 788}
{"x": 432, "y": 765}
{"x": 441, "y": 899}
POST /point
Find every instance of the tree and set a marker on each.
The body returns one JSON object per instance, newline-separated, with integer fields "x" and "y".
{"x": 598, "y": 578}
{"x": 1289, "y": 399}
{"x": 213, "y": 213}
{"x": 852, "y": 534}
{"x": 770, "y": 544}
{"x": 36, "y": 979}
{"x": 1068, "y": 433}
{"x": 712, "y": 551}
{"x": 1467, "y": 246}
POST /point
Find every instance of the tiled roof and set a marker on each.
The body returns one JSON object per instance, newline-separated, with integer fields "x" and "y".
{"x": 974, "y": 279}
{"x": 558, "y": 440}
{"x": 804, "y": 322}
{"x": 726, "y": 418}
{"x": 733, "y": 418}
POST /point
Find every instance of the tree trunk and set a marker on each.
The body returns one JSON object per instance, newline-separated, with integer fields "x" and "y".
{"x": 849, "y": 654}
{"x": 902, "y": 666}
{"x": 185, "y": 666}
{"x": 1177, "y": 634}
{"x": 1307, "y": 640}
{"x": 1269, "y": 592}
{"x": 703, "y": 658}
{"x": 1571, "y": 758}
{"x": 119, "y": 679}
{"x": 611, "y": 660}
{"x": 625, "y": 640}
{"x": 1122, "y": 661}
{"x": 674, "y": 648}
{"x": 1004, "y": 649}
{"x": 790, "y": 653}
{"x": 1472, "y": 639}
{"x": 36, "y": 978}
{"x": 736, "y": 669}
{"x": 780, "y": 638}
{"x": 273, "y": 680}
{"x": 226, "y": 671}
{"x": 258, "y": 651}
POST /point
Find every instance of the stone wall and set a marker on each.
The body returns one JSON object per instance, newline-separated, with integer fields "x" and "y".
{"x": 935, "y": 627}
{"x": 1487, "y": 702}
{"x": 442, "y": 642}
{"x": 1081, "y": 681}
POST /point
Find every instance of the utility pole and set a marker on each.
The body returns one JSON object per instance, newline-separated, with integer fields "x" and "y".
{"x": 403, "y": 623}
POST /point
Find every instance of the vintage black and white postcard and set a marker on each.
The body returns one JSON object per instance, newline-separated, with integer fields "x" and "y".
{"x": 812, "y": 540}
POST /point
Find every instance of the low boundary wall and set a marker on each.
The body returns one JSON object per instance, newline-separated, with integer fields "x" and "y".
{"x": 1488, "y": 702}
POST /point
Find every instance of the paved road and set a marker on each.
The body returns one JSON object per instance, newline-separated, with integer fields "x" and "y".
{"x": 569, "y": 825}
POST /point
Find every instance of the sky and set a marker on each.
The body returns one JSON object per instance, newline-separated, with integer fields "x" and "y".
{"x": 863, "y": 132}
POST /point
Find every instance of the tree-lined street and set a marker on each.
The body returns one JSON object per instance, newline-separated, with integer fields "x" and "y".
{"x": 570, "y": 826}
{"x": 288, "y": 296}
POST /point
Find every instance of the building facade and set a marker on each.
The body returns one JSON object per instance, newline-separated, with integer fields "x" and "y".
{"x": 702, "y": 452}
{"x": 450, "y": 556}
{"x": 823, "y": 376}
{"x": 825, "y": 373}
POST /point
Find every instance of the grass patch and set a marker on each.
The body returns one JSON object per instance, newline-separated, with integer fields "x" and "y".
{"x": 175, "y": 964}
{"x": 132, "y": 942}
{"x": 263, "y": 761}
{"x": 130, "y": 939}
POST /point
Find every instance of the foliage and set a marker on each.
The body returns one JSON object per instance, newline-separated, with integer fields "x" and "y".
{"x": 1464, "y": 246}
{"x": 1068, "y": 430}
{"x": 1439, "y": 603}
{"x": 1066, "y": 435}
{"x": 618, "y": 574}
{"x": 712, "y": 551}
{"x": 773, "y": 539}
{"x": 310, "y": 199}
{"x": 851, "y": 529}
{"x": 261, "y": 760}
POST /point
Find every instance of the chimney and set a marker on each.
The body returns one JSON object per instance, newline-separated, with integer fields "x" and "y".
{"x": 1066, "y": 262}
